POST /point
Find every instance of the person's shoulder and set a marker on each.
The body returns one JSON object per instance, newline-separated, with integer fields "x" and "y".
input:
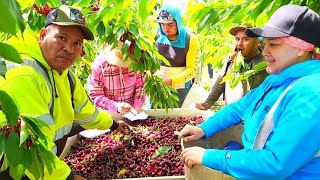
{"x": 24, "y": 71}
{"x": 99, "y": 60}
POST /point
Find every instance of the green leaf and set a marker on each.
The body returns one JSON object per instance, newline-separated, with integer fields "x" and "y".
{"x": 13, "y": 151}
{"x": 137, "y": 52}
{"x": 118, "y": 6}
{"x": 27, "y": 158}
{"x": 234, "y": 80}
{"x": 6, "y": 16}
{"x": 151, "y": 5}
{"x": 155, "y": 154}
{"x": 126, "y": 15}
{"x": 38, "y": 122}
{"x": 258, "y": 9}
{"x": 34, "y": 126}
{"x": 15, "y": 10}
{"x": 84, "y": 3}
{"x": 5, "y": 163}
{"x": 24, "y": 134}
{"x": 238, "y": 62}
{"x": 9, "y": 53}
{"x": 102, "y": 14}
{"x": 162, "y": 150}
{"x": 120, "y": 32}
{"x": 3, "y": 68}
{"x": 133, "y": 28}
{"x": 47, "y": 156}
{"x": 143, "y": 10}
{"x": 108, "y": 31}
{"x": 260, "y": 66}
{"x": 2, "y": 142}
{"x": 16, "y": 171}
{"x": 36, "y": 168}
{"x": 100, "y": 29}
{"x": 9, "y": 108}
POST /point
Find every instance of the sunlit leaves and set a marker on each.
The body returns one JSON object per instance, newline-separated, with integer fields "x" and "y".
{"x": 9, "y": 108}
{"x": 143, "y": 10}
{"x": 10, "y": 13}
{"x": 13, "y": 152}
{"x": 9, "y": 53}
{"x": 161, "y": 95}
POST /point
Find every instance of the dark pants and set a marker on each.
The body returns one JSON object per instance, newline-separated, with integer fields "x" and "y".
{"x": 76, "y": 128}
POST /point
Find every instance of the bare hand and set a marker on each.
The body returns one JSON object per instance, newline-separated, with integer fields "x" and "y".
{"x": 200, "y": 106}
{"x": 123, "y": 127}
{"x": 138, "y": 109}
{"x": 191, "y": 133}
{"x": 192, "y": 156}
{"x": 124, "y": 107}
{"x": 167, "y": 81}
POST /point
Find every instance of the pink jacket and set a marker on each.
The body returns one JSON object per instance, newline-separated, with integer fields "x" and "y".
{"x": 109, "y": 84}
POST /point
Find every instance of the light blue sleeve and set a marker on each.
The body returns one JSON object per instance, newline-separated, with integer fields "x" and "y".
{"x": 228, "y": 116}
{"x": 290, "y": 148}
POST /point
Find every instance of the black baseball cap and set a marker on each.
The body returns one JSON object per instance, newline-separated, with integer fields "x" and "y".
{"x": 164, "y": 17}
{"x": 291, "y": 20}
{"x": 69, "y": 16}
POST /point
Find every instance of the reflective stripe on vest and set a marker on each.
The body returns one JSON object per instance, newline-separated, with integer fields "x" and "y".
{"x": 36, "y": 66}
{"x": 60, "y": 133}
{"x": 47, "y": 118}
{"x": 54, "y": 149}
{"x": 90, "y": 119}
{"x": 78, "y": 109}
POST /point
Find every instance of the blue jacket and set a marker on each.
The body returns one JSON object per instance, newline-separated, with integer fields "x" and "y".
{"x": 295, "y": 139}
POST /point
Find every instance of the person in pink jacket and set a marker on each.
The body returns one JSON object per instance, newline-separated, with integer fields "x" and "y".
{"x": 112, "y": 85}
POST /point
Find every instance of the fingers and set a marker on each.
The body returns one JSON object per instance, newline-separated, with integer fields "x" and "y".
{"x": 187, "y": 158}
{"x": 124, "y": 107}
{"x": 138, "y": 109}
{"x": 184, "y": 132}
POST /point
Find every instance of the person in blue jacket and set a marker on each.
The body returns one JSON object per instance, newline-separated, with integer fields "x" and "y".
{"x": 291, "y": 148}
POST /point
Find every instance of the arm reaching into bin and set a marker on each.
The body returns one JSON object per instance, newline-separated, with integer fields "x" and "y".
{"x": 192, "y": 156}
{"x": 191, "y": 133}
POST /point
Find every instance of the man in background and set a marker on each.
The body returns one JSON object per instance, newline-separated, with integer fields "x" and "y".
{"x": 249, "y": 48}
{"x": 180, "y": 47}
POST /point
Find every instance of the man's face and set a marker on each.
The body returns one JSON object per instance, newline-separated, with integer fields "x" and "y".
{"x": 170, "y": 29}
{"x": 279, "y": 55}
{"x": 61, "y": 45}
{"x": 247, "y": 45}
